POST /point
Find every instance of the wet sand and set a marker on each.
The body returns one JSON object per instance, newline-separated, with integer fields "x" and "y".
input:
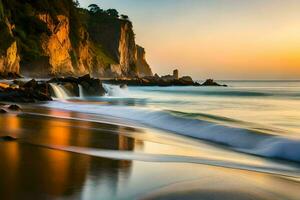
{"x": 68, "y": 155}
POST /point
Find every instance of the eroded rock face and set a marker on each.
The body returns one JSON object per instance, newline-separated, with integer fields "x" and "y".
{"x": 91, "y": 86}
{"x": 60, "y": 48}
{"x": 143, "y": 68}
{"x": 127, "y": 49}
{"x": 211, "y": 82}
{"x": 10, "y": 62}
{"x": 58, "y": 45}
{"x": 30, "y": 92}
{"x": 10, "y": 59}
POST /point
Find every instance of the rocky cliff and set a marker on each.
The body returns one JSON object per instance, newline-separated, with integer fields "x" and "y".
{"x": 57, "y": 38}
{"x": 9, "y": 57}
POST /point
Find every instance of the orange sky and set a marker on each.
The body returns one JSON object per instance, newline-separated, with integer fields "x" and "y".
{"x": 222, "y": 39}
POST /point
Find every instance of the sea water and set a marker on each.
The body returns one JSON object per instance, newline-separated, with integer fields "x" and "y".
{"x": 256, "y": 117}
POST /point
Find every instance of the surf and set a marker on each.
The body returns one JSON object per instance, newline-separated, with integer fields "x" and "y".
{"x": 238, "y": 138}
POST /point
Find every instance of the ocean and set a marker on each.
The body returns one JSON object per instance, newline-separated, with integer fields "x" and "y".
{"x": 240, "y": 141}
{"x": 256, "y": 117}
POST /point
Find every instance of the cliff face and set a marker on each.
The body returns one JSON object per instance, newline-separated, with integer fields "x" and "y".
{"x": 130, "y": 58}
{"x": 143, "y": 68}
{"x": 9, "y": 57}
{"x": 59, "y": 44}
{"x": 127, "y": 49}
{"x": 9, "y": 62}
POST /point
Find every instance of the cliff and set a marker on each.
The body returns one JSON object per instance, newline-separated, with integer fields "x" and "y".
{"x": 9, "y": 57}
{"x": 57, "y": 38}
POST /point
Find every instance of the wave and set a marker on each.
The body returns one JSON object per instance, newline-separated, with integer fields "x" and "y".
{"x": 224, "y": 92}
{"x": 239, "y": 138}
{"x": 282, "y": 170}
{"x": 115, "y": 90}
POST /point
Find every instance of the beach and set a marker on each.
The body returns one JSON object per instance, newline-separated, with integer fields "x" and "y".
{"x": 65, "y": 150}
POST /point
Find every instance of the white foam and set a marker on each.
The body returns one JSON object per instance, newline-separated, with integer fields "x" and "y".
{"x": 115, "y": 90}
{"x": 81, "y": 92}
{"x": 59, "y": 91}
{"x": 238, "y": 138}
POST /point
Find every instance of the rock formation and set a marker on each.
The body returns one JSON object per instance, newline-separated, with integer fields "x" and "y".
{"x": 167, "y": 80}
{"x": 56, "y": 38}
{"x": 211, "y": 82}
{"x": 9, "y": 57}
{"x": 143, "y": 68}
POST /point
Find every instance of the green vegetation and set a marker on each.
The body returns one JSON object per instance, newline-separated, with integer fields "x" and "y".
{"x": 29, "y": 29}
{"x": 5, "y": 38}
{"x": 101, "y": 27}
{"x": 102, "y": 55}
{"x": 1, "y": 10}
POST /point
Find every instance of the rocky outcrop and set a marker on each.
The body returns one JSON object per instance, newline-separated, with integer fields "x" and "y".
{"x": 9, "y": 62}
{"x": 211, "y": 82}
{"x": 7, "y": 138}
{"x": 57, "y": 45}
{"x": 143, "y": 68}
{"x": 127, "y": 50}
{"x": 122, "y": 56}
{"x": 90, "y": 86}
{"x": 29, "y": 92}
{"x": 9, "y": 55}
{"x": 168, "y": 80}
{"x": 56, "y": 38}
{"x": 84, "y": 62}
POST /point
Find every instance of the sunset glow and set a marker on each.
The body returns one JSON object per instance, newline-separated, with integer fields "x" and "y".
{"x": 215, "y": 38}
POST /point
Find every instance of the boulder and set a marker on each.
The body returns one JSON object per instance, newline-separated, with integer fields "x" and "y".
{"x": 211, "y": 82}
{"x": 155, "y": 81}
{"x": 2, "y": 111}
{"x": 30, "y": 92}
{"x": 91, "y": 86}
{"x": 31, "y": 84}
{"x": 186, "y": 80}
{"x": 14, "y": 107}
{"x": 8, "y": 138}
{"x": 72, "y": 88}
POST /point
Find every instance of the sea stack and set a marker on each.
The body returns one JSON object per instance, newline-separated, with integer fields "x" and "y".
{"x": 175, "y": 74}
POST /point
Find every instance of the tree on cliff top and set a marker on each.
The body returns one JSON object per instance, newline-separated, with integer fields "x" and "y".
{"x": 94, "y": 8}
{"x": 112, "y": 13}
{"x": 124, "y": 17}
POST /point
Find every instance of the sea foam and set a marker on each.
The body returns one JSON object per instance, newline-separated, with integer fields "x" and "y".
{"x": 238, "y": 138}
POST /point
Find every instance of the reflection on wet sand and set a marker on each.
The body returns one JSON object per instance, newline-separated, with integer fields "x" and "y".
{"x": 31, "y": 171}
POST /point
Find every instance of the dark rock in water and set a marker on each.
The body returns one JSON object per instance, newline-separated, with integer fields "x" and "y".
{"x": 91, "y": 86}
{"x": 2, "y": 111}
{"x": 72, "y": 88}
{"x": 30, "y": 92}
{"x": 14, "y": 107}
{"x": 123, "y": 86}
{"x": 19, "y": 83}
{"x": 186, "y": 80}
{"x": 31, "y": 84}
{"x": 8, "y": 138}
{"x": 211, "y": 82}
{"x": 155, "y": 81}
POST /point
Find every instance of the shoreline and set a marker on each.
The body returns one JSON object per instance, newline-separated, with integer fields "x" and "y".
{"x": 123, "y": 154}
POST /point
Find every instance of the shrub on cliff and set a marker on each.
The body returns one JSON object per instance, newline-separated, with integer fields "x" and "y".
{"x": 5, "y": 37}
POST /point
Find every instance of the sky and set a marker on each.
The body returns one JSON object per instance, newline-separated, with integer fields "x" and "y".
{"x": 220, "y": 39}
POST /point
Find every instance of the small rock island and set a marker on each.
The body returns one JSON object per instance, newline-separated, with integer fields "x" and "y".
{"x": 156, "y": 80}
